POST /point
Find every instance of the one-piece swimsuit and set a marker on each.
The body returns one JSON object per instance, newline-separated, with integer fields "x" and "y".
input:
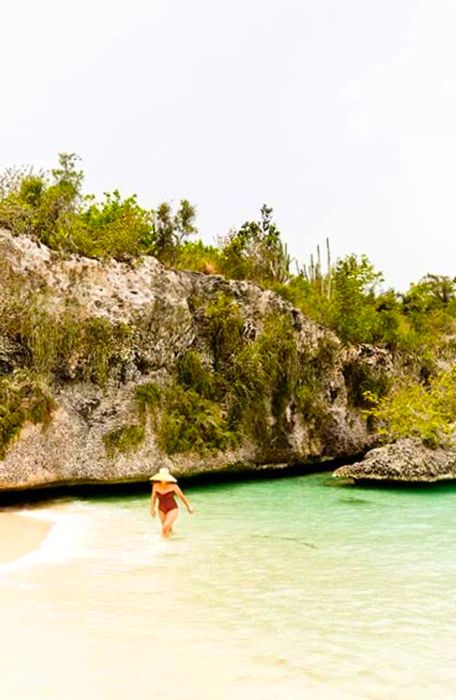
{"x": 166, "y": 501}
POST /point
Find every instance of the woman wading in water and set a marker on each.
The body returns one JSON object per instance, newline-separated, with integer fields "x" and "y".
{"x": 164, "y": 490}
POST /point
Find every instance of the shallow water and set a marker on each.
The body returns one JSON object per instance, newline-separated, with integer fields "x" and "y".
{"x": 285, "y": 588}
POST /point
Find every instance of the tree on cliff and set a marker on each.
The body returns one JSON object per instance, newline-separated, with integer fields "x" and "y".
{"x": 170, "y": 230}
{"x": 52, "y": 207}
{"x": 353, "y": 313}
{"x": 256, "y": 252}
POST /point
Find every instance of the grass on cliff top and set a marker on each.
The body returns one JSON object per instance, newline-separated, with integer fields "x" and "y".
{"x": 345, "y": 297}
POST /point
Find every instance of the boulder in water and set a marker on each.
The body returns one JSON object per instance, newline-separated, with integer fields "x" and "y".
{"x": 407, "y": 460}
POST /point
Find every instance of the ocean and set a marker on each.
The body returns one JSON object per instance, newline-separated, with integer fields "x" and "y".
{"x": 275, "y": 588}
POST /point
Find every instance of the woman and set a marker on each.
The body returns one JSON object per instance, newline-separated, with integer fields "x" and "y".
{"x": 164, "y": 490}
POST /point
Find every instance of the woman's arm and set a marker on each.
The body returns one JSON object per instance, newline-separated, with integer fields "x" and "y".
{"x": 153, "y": 500}
{"x": 183, "y": 498}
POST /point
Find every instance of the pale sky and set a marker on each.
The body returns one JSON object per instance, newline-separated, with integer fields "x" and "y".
{"x": 341, "y": 114}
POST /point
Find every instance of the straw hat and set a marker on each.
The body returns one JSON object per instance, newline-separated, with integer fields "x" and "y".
{"x": 163, "y": 475}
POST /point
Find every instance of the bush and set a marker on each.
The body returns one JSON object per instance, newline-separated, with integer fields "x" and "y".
{"x": 170, "y": 230}
{"x": 147, "y": 397}
{"x": 116, "y": 227}
{"x": 198, "y": 257}
{"x": 247, "y": 394}
{"x": 124, "y": 439}
{"x": 184, "y": 421}
{"x": 279, "y": 358}
{"x": 65, "y": 345}
{"x": 363, "y": 383}
{"x": 192, "y": 373}
{"x": 224, "y": 325}
{"x": 51, "y": 207}
{"x": 412, "y": 410}
{"x": 41, "y": 205}
{"x": 23, "y": 398}
{"x": 256, "y": 252}
{"x": 219, "y": 406}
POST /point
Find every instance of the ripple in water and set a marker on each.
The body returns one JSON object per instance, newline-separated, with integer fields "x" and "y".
{"x": 273, "y": 589}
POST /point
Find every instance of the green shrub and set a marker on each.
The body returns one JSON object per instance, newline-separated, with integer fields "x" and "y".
{"x": 192, "y": 373}
{"x": 256, "y": 380}
{"x": 148, "y": 396}
{"x": 124, "y": 439}
{"x": 100, "y": 347}
{"x": 413, "y": 410}
{"x": 247, "y": 394}
{"x": 308, "y": 296}
{"x": 263, "y": 379}
{"x": 363, "y": 382}
{"x": 23, "y": 398}
{"x": 51, "y": 207}
{"x": 42, "y": 204}
{"x": 196, "y": 256}
{"x": 184, "y": 421}
{"x": 116, "y": 227}
{"x": 66, "y": 344}
{"x": 224, "y": 330}
{"x": 171, "y": 229}
{"x": 279, "y": 358}
{"x": 256, "y": 252}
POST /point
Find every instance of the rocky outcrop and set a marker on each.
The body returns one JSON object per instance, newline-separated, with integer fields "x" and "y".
{"x": 406, "y": 460}
{"x": 164, "y": 312}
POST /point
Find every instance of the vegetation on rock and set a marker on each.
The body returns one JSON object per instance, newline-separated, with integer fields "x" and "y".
{"x": 414, "y": 410}
{"x": 235, "y": 387}
{"x": 52, "y": 208}
{"x": 123, "y": 439}
{"x": 230, "y": 385}
{"x": 24, "y": 397}
{"x": 66, "y": 345}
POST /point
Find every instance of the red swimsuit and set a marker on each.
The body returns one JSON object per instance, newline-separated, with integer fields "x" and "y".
{"x": 166, "y": 501}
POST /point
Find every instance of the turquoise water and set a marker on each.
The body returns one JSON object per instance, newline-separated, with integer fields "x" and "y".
{"x": 285, "y": 588}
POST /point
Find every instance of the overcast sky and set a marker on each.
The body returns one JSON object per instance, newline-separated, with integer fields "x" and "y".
{"x": 339, "y": 114}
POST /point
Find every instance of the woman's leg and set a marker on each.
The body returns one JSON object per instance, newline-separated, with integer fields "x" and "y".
{"x": 170, "y": 519}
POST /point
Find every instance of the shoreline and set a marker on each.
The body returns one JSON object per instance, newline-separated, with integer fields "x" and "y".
{"x": 21, "y": 535}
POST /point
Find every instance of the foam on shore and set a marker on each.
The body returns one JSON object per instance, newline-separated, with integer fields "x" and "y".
{"x": 32, "y": 536}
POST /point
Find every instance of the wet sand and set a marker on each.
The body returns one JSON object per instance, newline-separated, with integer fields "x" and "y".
{"x": 20, "y": 535}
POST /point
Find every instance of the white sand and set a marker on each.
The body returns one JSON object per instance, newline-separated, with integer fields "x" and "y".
{"x": 20, "y": 535}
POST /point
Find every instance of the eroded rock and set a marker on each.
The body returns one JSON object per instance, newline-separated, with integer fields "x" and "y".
{"x": 407, "y": 460}
{"x": 164, "y": 309}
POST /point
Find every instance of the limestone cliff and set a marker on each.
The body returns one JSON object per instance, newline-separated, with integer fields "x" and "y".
{"x": 161, "y": 314}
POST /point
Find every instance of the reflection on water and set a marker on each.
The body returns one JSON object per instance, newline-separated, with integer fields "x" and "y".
{"x": 273, "y": 589}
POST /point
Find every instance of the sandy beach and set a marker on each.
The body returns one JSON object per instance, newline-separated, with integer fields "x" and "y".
{"x": 20, "y": 534}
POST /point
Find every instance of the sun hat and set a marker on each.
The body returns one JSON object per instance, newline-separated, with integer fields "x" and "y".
{"x": 163, "y": 475}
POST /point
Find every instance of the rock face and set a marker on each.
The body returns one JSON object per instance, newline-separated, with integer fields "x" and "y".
{"x": 164, "y": 309}
{"x": 407, "y": 460}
